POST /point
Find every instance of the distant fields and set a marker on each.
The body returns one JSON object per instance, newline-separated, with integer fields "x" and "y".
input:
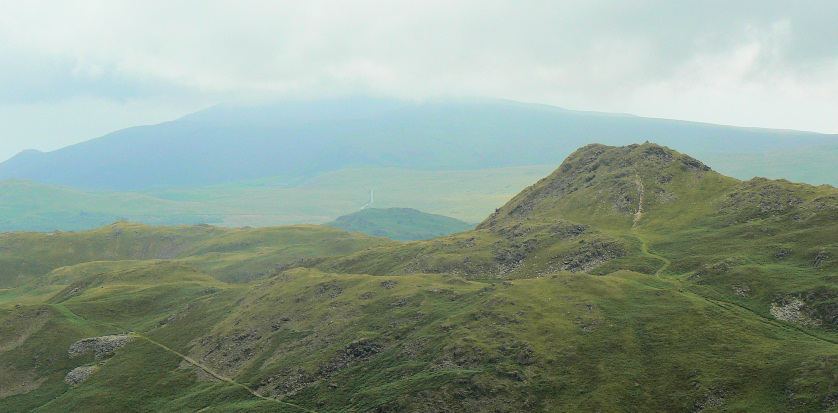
{"x": 466, "y": 195}
{"x": 311, "y": 162}
{"x": 813, "y": 165}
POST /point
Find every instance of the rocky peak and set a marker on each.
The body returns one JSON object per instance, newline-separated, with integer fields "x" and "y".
{"x": 592, "y": 157}
{"x": 608, "y": 183}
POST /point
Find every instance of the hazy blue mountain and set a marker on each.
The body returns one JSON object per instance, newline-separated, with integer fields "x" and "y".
{"x": 304, "y": 139}
{"x": 816, "y": 164}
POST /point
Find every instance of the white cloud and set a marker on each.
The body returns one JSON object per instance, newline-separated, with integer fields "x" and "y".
{"x": 666, "y": 59}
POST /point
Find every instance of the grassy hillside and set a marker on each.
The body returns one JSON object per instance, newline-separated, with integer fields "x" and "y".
{"x": 227, "y": 254}
{"x": 402, "y": 224}
{"x": 331, "y": 342}
{"x": 631, "y": 279}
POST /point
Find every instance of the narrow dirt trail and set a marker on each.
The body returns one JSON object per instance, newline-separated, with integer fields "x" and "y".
{"x": 637, "y": 216}
{"x": 189, "y": 360}
{"x": 639, "y": 213}
{"x": 733, "y": 307}
{"x": 218, "y": 376}
{"x": 645, "y": 249}
{"x": 740, "y": 309}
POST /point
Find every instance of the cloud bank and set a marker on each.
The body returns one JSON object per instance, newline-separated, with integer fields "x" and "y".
{"x": 752, "y": 63}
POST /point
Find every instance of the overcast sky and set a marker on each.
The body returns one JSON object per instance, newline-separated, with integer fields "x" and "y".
{"x": 72, "y": 71}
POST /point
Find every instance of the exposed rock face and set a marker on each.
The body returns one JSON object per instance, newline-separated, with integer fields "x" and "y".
{"x": 819, "y": 259}
{"x": 289, "y": 382}
{"x": 712, "y": 400}
{"x": 714, "y": 269}
{"x": 793, "y": 309}
{"x": 79, "y": 374}
{"x": 741, "y": 290}
{"x": 769, "y": 199}
{"x": 358, "y": 351}
{"x": 228, "y": 353}
{"x": 592, "y": 255}
{"x": 101, "y": 346}
{"x": 764, "y": 198}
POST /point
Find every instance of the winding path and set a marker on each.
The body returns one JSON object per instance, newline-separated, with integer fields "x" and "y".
{"x": 645, "y": 249}
{"x": 191, "y": 361}
{"x": 637, "y": 216}
{"x": 218, "y": 376}
{"x": 639, "y": 213}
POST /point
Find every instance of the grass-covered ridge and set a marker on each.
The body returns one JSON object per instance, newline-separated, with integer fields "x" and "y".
{"x": 228, "y": 254}
{"x": 631, "y": 279}
{"x": 402, "y": 224}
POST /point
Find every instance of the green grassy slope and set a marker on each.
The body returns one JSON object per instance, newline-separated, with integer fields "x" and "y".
{"x": 402, "y": 224}
{"x": 228, "y": 254}
{"x": 312, "y": 341}
{"x": 718, "y": 296}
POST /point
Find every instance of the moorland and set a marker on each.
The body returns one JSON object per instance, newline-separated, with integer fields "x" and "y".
{"x": 631, "y": 278}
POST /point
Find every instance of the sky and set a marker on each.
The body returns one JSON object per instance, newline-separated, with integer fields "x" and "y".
{"x": 73, "y": 71}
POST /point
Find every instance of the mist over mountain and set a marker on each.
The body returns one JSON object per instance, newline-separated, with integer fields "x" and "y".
{"x": 303, "y": 139}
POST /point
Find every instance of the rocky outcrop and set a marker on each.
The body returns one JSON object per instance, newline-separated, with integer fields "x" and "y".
{"x": 819, "y": 259}
{"x": 793, "y": 309}
{"x": 591, "y": 255}
{"x": 79, "y": 374}
{"x": 289, "y": 382}
{"x": 102, "y": 347}
{"x": 762, "y": 198}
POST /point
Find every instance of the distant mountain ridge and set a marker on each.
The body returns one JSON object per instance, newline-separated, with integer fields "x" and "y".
{"x": 304, "y": 139}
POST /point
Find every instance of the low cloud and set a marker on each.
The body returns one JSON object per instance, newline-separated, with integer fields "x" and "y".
{"x": 641, "y": 57}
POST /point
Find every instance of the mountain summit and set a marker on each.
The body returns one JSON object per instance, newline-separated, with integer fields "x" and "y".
{"x": 615, "y": 185}
{"x": 628, "y": 207}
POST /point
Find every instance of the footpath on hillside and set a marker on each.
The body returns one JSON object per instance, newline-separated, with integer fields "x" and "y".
{"x": 637, "y": 216}
{"x": 189, "y": 360}
{"x": 644, "y": 248}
